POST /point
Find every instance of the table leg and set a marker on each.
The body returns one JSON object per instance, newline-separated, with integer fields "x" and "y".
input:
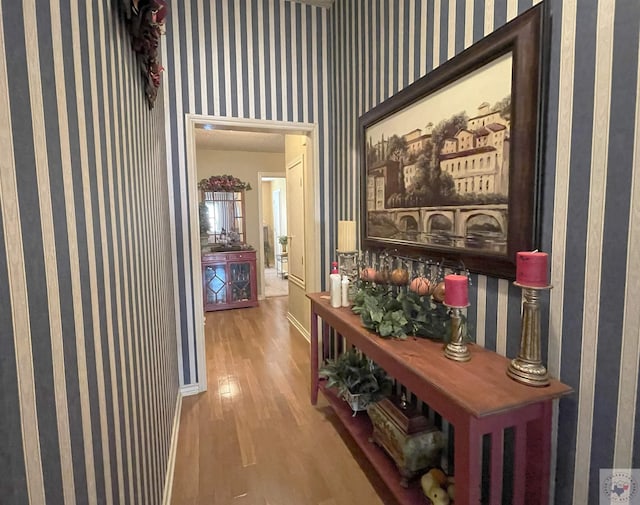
{"x": 468, "y": 463}
{"x": 313, "y": 365}
{"x": 519, "y": 463}
{"x": 497, "y": 454}
{"x": 539, "y": 457}
{"x": 326, "y": 341}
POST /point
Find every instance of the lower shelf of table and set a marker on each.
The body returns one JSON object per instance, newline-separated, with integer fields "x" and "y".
{"x": 360, "y": 428}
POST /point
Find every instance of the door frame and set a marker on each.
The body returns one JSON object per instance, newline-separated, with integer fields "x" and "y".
{"x": 241, "y": 124}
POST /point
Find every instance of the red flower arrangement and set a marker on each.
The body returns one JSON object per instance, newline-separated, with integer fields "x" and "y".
{"x": 226, "y": 183}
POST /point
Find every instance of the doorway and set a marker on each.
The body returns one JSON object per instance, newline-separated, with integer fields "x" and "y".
{"x": 303, "y": 136}
{"x": 274, "y": 234}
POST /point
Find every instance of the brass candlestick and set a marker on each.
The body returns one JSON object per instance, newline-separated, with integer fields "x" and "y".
{"x": 527, "y": 368}
{"x": 456, "y": 349}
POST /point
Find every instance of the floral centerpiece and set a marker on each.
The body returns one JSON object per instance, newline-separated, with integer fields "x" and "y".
{"x": 223, "y": 183}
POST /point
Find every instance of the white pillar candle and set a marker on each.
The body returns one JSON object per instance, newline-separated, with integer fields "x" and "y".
{"x": 346, "y": 236}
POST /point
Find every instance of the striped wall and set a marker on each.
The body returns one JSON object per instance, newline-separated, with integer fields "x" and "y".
{"x": 590, "y": 200}
{"x": 88, "y": 376}
{"x": 272, "y": 59}
{"x": 258, "y": 59}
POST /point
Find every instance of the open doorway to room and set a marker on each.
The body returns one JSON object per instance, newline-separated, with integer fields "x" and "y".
{"x": 237, "y": 147}
{"x": 273, "y": 189}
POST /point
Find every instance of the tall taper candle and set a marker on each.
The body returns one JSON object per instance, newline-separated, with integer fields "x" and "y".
{"x": 346, "y": 236}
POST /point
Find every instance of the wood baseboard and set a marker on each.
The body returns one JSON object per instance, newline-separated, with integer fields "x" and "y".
{"x": 173, "y": 448}
{"x": 298, "y": 326}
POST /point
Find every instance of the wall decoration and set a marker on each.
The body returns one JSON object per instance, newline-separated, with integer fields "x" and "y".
{"x": 450, "y": 163}
{"x": 146, "y": 20}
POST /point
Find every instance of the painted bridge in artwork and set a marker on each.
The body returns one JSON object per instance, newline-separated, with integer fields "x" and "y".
{"x": 453, "y": 220}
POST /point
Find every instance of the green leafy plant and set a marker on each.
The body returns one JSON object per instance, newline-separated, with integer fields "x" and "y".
{"x": 398, "y": 314}
{"x": 204, "y": 218}
{"x": 283, "y": 240}
{"x": 357, "y": 374}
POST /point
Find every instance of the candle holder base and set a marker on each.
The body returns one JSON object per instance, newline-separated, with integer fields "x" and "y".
{"x": 456, "y": 349}
{"x": 530, "y": 373}
{"x": 457, "y": 352}
{"x": 527, "y": 368}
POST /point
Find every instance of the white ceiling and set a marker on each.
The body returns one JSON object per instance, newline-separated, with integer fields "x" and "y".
{"x": 228, "y": 140}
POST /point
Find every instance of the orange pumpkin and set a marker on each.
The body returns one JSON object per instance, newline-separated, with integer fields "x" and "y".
{"x": 420, "y": 285}
{"x": 438, "y": 292}
{"x": 382, "y": 277}
{"x": 369, "y": 274}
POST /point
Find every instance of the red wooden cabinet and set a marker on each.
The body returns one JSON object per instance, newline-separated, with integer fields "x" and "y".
{"x": 229, "y": 280}
{"x": 476, "y": 397}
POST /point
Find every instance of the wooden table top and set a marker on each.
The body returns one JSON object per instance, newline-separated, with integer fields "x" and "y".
{"x": 480, "y": 386}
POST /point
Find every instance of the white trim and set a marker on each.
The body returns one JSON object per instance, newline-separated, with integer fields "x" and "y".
{"x": 173, "y": 449}
{"x": 191, "y": 389}
{"x": 192, "y": 201}
{"x": 242, "y": 124}
{"x": 298, "y": 326}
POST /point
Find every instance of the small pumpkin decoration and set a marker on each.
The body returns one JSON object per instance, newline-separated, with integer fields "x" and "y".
{"x": 438, "y": 292}
{"x": 420, "y": 286}
{"x": 382, "y": 276}
{"x": 399, "y": 277}
{"x": 369, "y": 274}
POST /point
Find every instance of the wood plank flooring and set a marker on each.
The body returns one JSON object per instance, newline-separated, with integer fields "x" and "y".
{"x": 253, "y": 438}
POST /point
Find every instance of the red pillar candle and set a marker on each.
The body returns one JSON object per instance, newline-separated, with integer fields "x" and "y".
{"x": 531, "y": 269}
{"x": 456, "y": 290}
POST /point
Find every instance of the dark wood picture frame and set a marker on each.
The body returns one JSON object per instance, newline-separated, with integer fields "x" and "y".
{"x": 518, "y": 216}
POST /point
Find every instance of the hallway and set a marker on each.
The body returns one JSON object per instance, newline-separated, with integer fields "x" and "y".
{"x": 253, "y": 438}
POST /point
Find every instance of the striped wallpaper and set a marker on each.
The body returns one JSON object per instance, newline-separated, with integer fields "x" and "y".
{"x": 590, "y": 201}
{"x": 259, "y": 59}
{"x": 88, "y": 375}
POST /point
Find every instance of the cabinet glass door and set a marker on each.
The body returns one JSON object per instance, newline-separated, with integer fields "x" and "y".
{"x": 240, "y": 281}
{"x": 215, "y": 281}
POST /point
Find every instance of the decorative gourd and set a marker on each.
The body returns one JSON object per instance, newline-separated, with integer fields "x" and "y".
{"x": 438, "y": 292}
{"x": 420, "y": 286}
{"x": 427, "y": 482}
{"x": 382, "y": 277}
{"x": 399, "y": 277}
{"x": 438, "y": 496}
{"x": 369, "y": 274}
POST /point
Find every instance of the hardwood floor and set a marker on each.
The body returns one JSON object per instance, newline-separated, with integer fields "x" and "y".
{"x": 253, "y": 438}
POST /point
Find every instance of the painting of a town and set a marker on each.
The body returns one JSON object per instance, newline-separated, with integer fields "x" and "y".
{"x": 437, "y": 171}
{"x": 451, "y": 166}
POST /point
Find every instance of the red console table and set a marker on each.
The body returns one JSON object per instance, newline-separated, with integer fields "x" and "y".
{"x": 476, "y": 397}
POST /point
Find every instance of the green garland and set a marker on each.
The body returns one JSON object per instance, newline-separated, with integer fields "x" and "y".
{"x": 394, "y": 313}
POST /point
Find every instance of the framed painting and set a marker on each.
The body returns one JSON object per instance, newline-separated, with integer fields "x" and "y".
{"x": 450, "y": 164}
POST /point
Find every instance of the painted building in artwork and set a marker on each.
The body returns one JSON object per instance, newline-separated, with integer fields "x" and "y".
{"x": 417, "y": 139}
{"x": 383, "y": 180}
{"x": 477, "y": 157}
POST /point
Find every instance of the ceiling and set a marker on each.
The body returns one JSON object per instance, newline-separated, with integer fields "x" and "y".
{"x": 233, "y": 140}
